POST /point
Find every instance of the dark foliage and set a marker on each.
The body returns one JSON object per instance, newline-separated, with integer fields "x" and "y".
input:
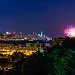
{"x": 35, "y": 65}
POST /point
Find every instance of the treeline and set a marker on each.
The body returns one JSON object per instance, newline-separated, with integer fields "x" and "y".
{"x": 53, "y": 62}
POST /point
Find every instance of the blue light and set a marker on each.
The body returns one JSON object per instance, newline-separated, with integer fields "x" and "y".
{"x": 44, "y": 41}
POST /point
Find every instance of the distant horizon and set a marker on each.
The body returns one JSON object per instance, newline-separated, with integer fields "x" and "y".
{"x": 32, "y": 33}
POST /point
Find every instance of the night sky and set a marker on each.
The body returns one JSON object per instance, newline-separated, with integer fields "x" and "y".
{"x": 28, "y": 16}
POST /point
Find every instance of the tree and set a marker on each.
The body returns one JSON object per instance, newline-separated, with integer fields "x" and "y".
{"x": 58, "y": 60}
{"x": 34, "y": 65}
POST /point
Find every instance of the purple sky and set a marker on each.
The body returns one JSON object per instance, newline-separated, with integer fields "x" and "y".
{"x": 28, "y": 16}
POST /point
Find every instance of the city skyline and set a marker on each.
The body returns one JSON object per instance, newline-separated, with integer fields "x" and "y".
{"x": 50, "y": 16}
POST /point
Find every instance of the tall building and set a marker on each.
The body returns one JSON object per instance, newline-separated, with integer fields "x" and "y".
{"x": 41, "y": 33}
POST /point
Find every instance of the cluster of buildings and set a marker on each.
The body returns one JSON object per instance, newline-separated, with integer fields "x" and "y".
{"x": 30, "y": 37}
{"x": 28, "y": 44}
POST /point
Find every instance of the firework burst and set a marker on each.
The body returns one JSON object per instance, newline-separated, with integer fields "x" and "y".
{"x": 70, "y": 31}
